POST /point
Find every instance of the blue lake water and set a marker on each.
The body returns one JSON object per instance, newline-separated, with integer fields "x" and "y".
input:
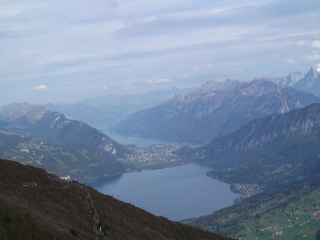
{"x": 138, "y": 141}
{"x": 176, "y": 193}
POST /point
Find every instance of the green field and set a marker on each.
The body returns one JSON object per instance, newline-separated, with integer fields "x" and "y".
{"x": 285, "y": 216}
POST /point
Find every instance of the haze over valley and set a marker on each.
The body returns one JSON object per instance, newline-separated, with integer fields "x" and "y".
{"x": 160, "y": 120}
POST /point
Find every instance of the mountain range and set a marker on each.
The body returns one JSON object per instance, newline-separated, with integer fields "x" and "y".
{"x": 103, "y": 112}
{"x": 215, "y": 109}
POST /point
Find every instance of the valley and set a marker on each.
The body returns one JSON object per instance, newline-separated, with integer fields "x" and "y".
{"x": 160, "y": 120}
{"x": 262, "y": 138}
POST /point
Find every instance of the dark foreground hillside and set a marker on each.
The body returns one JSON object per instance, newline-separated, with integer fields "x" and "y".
{"x": 37, "y": 205}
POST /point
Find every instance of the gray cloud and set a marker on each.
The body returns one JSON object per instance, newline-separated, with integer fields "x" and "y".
{"x": 112, "y": 4}
{"x": 278, "y": 16}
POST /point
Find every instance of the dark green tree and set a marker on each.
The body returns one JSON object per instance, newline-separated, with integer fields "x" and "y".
{"x": 318, "y": 235}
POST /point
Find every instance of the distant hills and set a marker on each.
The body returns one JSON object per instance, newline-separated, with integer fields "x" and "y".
{"x": 36, "y": 205}
{"x": 215, "y": 109}
{"x": 58, "y": 144}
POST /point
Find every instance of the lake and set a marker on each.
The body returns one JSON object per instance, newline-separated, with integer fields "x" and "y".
{"x": 176, "y": 193}
{"x": 138, "y": 141}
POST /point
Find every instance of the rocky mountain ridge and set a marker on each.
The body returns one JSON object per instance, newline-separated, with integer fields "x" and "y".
{"x": 307, "y": 82}
{"x": 215, "y": 109}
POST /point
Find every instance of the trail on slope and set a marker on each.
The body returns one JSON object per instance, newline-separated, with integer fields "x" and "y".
{"x": 100, "y": 233}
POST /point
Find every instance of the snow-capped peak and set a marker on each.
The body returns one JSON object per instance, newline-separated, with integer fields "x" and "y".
{"x": 318, "y": 67}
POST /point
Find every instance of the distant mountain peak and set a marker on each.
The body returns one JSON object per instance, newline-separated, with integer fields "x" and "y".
{"x": 34, "y": 112}
{"x": 291, "y": 79}
{"x": 16, "y": 110}
{"x": 316, "y": 70}
{"x": 307, "y": 82}
{"x": 216, "y": 85}
{"x": 262, "y": 79}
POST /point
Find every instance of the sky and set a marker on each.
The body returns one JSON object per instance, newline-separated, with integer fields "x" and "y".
{"x": 67, "y": 50}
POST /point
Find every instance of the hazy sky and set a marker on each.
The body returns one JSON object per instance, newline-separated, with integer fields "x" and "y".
{"x": 65, "y": 50}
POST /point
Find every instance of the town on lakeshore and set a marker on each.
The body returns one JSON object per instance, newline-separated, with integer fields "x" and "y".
{"x": 154, "y": 156}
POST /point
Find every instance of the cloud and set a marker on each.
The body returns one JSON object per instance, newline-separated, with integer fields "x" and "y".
{"x": 112, "y": 4}
{"x": 41, "y": 87}
{"x": 83, "y": 45}
{"x": 312, "y": 57}
{"x": 303, "y": 43}
{"x": 129, "y": 87}
{"x": 316, "y": 44}
{"x": 159, "y": 81}
{"x": 135, "y": 20}
{"x": 289, "y": 60}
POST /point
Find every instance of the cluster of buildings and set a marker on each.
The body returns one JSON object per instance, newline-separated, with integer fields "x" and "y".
{"x": 246, "y": 191}
{"x": 153, "y": 153}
